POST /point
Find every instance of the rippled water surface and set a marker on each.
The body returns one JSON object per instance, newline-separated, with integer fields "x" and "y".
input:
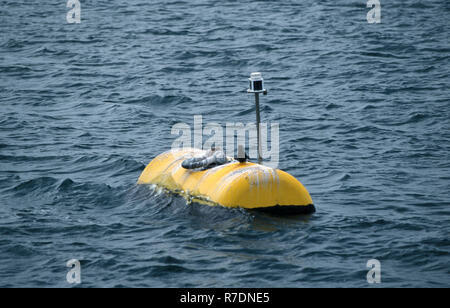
{"x": 364, "y": 123}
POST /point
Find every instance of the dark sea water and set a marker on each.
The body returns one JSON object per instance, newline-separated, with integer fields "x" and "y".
{"x": 364, "y": 115}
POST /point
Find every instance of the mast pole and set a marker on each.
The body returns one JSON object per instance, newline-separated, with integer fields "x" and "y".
{"x": 258, "y": 127}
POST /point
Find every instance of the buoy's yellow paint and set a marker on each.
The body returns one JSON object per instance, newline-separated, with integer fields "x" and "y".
{"x": 247, "y": 185}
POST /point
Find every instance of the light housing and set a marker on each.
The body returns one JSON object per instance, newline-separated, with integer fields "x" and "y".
{"x": 256, "y": 83}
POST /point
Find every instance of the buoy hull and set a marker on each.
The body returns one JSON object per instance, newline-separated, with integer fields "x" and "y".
{"x": 246, "y": 185}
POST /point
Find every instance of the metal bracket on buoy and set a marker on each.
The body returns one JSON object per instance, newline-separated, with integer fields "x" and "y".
{"x": 257, "y": 86}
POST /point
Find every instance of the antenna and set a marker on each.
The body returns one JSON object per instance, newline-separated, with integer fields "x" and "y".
{"x": 257, "y": 86}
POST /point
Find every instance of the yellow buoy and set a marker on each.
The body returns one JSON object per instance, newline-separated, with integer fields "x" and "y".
{"x": 246, "y": 185}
